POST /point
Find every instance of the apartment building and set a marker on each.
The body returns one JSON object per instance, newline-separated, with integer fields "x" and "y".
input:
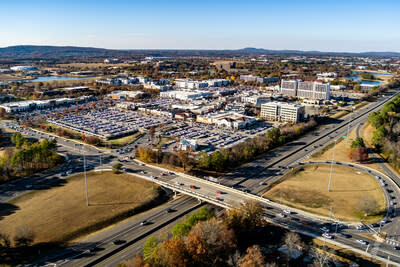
{"x": 284, "y": 112}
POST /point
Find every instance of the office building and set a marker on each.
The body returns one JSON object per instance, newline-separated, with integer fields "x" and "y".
{"x": 283, "y": 112}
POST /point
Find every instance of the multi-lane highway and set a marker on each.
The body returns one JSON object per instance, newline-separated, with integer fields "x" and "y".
{"x": 266, "y": 170}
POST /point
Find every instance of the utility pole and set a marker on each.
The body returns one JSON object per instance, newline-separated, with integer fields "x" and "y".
{"x": 84, "y": 173}
{"x": 330, "y": 174}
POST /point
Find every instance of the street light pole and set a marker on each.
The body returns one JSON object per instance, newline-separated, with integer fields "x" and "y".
{"x": 84, "y": 171}
{"x": 330, "y": 174}
{"x": 351, "y": 117}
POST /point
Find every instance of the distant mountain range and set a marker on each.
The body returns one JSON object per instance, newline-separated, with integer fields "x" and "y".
{"x": 46, "y": 52}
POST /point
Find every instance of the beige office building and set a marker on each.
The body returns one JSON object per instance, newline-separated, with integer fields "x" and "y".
{"x": 284, "y": 112}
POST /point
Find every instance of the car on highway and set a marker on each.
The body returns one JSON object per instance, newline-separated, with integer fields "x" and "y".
{"x": 262, "y": 183}
{"x": 384, "y": 221}
{"x": 118, "y": 242}
{"x": 219, "y": 192}
{"x": 178, "y": 183}
{"x": 287, "y": 211}
{"x": 345, "y": 235}
{"x": 169, "y": 210}
{"x": 282, "y": 215}
{"x": 326, "y": 235}
{"x": 193, "y": 187}
{"x": 143, "y": 223}
{"x": 325, "y": 229}
{"x": 397, "y": 248}
{"x": 218, "y": 198}
{"x": 363, "y": 242}
{"x": 360, "y": 227}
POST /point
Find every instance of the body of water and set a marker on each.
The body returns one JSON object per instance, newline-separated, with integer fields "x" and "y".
{"x": 56, "y": 78}
{"x": 357, "y": 78}
{"x": 373, "y": 73}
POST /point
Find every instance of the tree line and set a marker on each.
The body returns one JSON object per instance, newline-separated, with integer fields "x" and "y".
{"x": 386, "y": 136}
{"x": 27, "y": 157}
{"x": 235, "y": 239}
{"x": 229, "y": 158}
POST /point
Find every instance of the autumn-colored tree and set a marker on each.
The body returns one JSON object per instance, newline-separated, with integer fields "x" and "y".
{"x": 138, "y": 261}
{"x": 244, "y": 220}
{"x": 176, "y": 250}
{"x": 210, "y": 243}
{"x": 252, "y": 258}
{"x": 359, "y": 154}
{"x": 151, "y": 132}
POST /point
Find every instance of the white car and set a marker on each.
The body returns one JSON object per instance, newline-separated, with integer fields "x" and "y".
{"x": 360, "y": 227}
{"x": 287, "y": 211}
{"x": 281, "y": 215}
{"x": 326, "y": 235}
{"x": 362, "y": 242}
{"x": 178, "y": 183}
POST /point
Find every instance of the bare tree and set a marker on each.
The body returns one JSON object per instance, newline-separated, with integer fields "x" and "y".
{"x": 5, "y": 240}
{"x": 293, "y": 243}
{"x": 321, "y": 257}
{"x": 24, "y": 235}
{"x": 368, "y": 205}
{"x": 234, "y": 259}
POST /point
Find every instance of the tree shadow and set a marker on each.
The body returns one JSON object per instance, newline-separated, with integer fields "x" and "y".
{"x": 42, "y": 254}
{"x": 114, "y": 203}
{"x": 7, "y": 209}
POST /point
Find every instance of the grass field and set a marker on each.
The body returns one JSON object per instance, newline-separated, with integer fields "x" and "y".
{"x": 307, "y": 189}
{"x": 343, "y": 146}
{"x": 60, "y": 214}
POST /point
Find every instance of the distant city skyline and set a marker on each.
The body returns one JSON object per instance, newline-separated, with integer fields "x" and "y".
{"x": 334, "y": 26}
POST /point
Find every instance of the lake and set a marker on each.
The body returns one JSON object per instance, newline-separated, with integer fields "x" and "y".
{"x": 357, "y": 78}
{"x": 373, "y": 73}
{"x": 56, "y": 78}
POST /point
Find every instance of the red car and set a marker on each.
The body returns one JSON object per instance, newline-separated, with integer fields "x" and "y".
{"x": 219, "y": 199}
{"x": 219, "y": 192}
{"x": 193, "y": 187}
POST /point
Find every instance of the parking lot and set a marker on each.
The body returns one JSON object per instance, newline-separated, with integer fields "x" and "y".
{"x": 209, "y": 136}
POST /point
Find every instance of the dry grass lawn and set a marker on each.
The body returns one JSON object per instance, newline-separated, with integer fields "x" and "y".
{"x": 60, "y": 214}
{"x": 308, "y": 190}
{"x": 343, "y": 147}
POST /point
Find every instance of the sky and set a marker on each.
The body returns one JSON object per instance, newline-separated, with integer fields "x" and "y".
{"x": 323, "y": 25}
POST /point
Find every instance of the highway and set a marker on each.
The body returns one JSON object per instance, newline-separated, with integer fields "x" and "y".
{"x": 102, "y": 245}
{"x": 250, "y": 175}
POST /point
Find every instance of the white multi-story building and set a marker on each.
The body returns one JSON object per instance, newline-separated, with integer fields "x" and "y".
{"x": 305, "y": 90}
{"x": 23, "y": 68}
{"x": 321, "y": 91}
{"x": 284, "y": 112}
{"x": 289, "y": 87}
{"x": 184, "y": 94}
{"x": 310, "y": 90}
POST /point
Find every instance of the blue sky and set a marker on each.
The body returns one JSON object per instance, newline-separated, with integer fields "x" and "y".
{"x": 325, "y": 25}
